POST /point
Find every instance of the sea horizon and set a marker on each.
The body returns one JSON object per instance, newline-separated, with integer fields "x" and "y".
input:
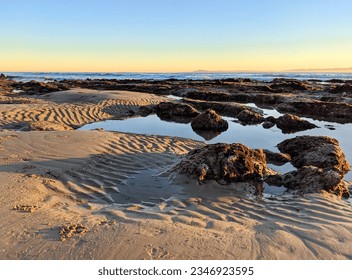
{"x": 195, "y": 75}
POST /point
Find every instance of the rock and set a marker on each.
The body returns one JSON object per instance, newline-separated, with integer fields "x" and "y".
{"x": 319, "y": 109}
{"x": 311, "y": 179}
{"x": 318, "y": 151}
{"x": 175, "y": 109}
{"x": 224, "y": 163}
{"x": 273, "y": 157}
{"x": 146, "y": 110}
{"x": 34, "y": 87}
{"x": 3, "y": 77}
{"x": 289, "y": 123}
{"x": 226, "y": 109}
{"x": 345, "y": 88}
{"x": 274, "y": 180}
{"x": 271, "y": 119}
{"x": 250, "y": 117}
{"x": 267, "y": 124}
{"x": 209, "y": 120}
{"x": 288, "y": 85}
{"x": 209, "y": 96}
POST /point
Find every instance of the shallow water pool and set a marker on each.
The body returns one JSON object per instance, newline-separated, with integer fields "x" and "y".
{"x": 254, "y": 136}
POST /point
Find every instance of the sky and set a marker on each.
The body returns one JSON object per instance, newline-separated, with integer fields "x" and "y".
{"x": 174, "y": 35}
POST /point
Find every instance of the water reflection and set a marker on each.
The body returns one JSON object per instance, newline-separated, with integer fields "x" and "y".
{"x": 254, "y": 136}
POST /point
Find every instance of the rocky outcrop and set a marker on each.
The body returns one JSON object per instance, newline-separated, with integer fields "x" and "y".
{"x": 282, "y": 85}
{"x": 209, "y": 120}
{"x": 146, "y": 110}
{"x": 250, "y": 117}
{"x": 34, "y": 87}
{"x": 312, "y": 179}
{"x": 3, "y": 77}
{"x": 226, "y": 109}
{"x": 276, "y": 158}
{"x": 289, "y": 123}
{"x": 224, "y": 163}
{"x": 345, "y": 88}
{"x": 267, "y": 124}
{"x": 175, "y": 109}
{"x": 321, "y": 165}
{"x": 318, "y": 109}
{"x": 318, "y": 151}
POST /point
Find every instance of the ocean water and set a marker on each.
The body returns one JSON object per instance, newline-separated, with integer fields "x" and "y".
{"x": 50, "y": 76}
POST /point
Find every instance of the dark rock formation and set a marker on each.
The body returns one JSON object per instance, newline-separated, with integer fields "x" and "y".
{"x": 318, "y": 151}
{"x": 267, "y": 124}
{"x": 289, "y": 123}
{"x": 274, "y": 180}
{"x": 250, "y": 117}
{"x": 288, "y": 85}
{"x": 311, "y": 179}
{"x": 318, "y": 109}
{"x": 345, "y": 88}
{"x": 276, "y": 158}
{"x": 34, "y": 87}
{"x": 210, "y": 96}
{"x": 3, "y": 77}
{"x": 209, "y": 120}
{"x": 175, "y": 109}
{"x": 224, "y": 163}
{"x": 146, "y": 110}
{"x": 225, "y": 109}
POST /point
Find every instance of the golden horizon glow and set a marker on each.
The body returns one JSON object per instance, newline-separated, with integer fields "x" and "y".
{"x": 140, "y": 37}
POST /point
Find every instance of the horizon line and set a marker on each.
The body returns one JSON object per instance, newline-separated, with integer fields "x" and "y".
{"x": 322, "y": 70}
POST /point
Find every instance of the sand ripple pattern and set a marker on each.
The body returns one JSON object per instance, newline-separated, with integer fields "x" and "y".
{"x": 311, "y": 227}
{"x": 72, "y": 114}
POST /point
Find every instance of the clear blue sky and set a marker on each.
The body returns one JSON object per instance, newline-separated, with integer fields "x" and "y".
{"x": 174, "y": 35}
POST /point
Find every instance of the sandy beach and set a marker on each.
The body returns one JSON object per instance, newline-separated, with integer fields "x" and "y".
{"x": 73, "y": 194}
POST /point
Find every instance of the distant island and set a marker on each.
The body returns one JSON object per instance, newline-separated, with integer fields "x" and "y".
{"x": 349, "y": 69}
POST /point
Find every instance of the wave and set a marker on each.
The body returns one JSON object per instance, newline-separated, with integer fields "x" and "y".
{"x": 50, "y": 76}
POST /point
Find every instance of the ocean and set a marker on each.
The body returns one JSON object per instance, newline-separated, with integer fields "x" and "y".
{"x": 262, "y": 76}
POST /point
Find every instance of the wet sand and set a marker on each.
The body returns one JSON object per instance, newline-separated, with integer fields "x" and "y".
{"x": 68, "y": 194}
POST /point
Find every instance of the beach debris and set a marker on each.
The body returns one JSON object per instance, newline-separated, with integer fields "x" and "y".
{"x": 209, "y": 120}
{"x": 250, "y": 117}
{"x": 107, "y": 222}
{"x": 290, "y": 123}
{"x": 68, "y": 231}
{"x": 223, "y": 163}
{"x": 25, "y": 208}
